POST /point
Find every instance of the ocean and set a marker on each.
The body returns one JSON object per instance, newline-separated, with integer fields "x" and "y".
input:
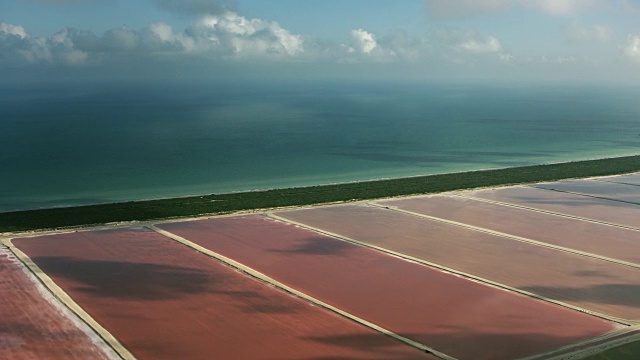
{"x": 79, "y": 144}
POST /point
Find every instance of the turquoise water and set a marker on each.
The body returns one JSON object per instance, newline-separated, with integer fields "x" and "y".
{"x": 73, "y": 144}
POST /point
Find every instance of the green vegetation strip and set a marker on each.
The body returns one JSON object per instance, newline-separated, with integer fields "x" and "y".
{"x": 226, "y": 203}
{"x": 625, "y": 352}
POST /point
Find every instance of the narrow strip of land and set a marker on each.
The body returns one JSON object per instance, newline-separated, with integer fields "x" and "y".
{"x": 226, "y": 203}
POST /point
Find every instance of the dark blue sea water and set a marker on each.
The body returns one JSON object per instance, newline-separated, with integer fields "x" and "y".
{"x": 82, "y": 144}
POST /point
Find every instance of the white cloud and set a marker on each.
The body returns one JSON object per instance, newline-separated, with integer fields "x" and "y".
{"x": 363, "y": 41}
{"x": 165, "y": 34}
{"x": 18, "y": 47}
{"x": 230, "y": 37}
{"x": 9, "y": 29}
{"x": 213, "y": 37}
{"x": 480, "y": 46}
{"x": 632, "y": 50}
{"x": 445, "y": 46}
{"x": 62, "y": 46}
{"x": 469, "y": 48}
{"x": 364, "y": 46}
{"x": 234, "y": 34}
{"x": 121, "y": 39}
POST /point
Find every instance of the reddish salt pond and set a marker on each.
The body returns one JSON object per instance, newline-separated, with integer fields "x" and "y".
{"x": 31, "y": 327}
{"x": 456, "y": 316}
{"x": 614, "y": 242}
{"x": 610, "y": 211}
{"x": 585, "y": 282}
{"x": 163, "y": 300}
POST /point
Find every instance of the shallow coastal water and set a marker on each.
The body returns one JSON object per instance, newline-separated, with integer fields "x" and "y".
{"x": 79, "y": 144}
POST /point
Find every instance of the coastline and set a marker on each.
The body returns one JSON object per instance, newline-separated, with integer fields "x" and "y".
{"x": 313, "y": 184}
{"x": 225, "y": 203}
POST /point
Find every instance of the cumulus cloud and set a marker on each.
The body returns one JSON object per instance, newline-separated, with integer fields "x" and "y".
{"x": 232, "y": 37}
{"x": 459, "y": 47}
{"x": 64, "y": 50}
{"x": 20, "y": 48}
{"x": 223, "y": 36}
{"x": 480, "y": 45}
{"x": 163, "y": 34}
{"x": 468, "y": 43}
{"x": 228, "y": 38}
{"x": 233, "y": 34}
{"x": 15, "y": 30}
{"x": 632, "y": 50}
{"x": 363, "y": 41}
{"x": 365, "y": 46}
{"x": 468, "y": 47}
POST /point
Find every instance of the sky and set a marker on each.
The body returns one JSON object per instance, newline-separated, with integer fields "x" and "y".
{"x": 420, "y": 40}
